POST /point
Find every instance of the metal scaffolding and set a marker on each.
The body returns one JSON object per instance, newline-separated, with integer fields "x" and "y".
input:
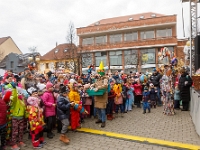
{"x": 193, "y": 31}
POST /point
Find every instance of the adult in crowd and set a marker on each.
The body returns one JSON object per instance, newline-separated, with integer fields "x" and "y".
{"x": 184, "y": 84}
{"x": 155, "y": 79}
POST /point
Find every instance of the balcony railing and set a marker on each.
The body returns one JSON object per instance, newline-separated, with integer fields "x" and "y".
{"x": 131, "y": 44}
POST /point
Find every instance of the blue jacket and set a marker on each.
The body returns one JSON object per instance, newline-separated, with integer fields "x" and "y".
{"x": 63, "y": 107}
{"x": 146, "y": 96}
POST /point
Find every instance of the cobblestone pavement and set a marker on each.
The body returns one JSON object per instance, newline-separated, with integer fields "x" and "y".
{"x": 178, "y": 128}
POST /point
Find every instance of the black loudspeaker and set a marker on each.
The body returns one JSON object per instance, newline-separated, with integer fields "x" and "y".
{"x": 197, "y": 45}
{"x": 197, "y": 52}
{"x": 197, "y": 61}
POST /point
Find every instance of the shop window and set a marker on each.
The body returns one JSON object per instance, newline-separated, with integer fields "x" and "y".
{"x": 115, "y": 58}
{"x": 86, "y": 60}
{"x": 115, "y": 38}
{"x": 147, "y": 35}
{"x": 164, "y": 33}
{"x": 131, "y": 57}
{"x": 148, "y": 56}
{"x": 88, "y": 41}
{"x": 101, "y": 56}
{"x": 131, "y": 36}
{"x": 100, "y": 40}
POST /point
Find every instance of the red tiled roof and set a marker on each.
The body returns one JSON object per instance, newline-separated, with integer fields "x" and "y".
{"x": 146, "y": 15}
{"x": 62, "y": 51}
{"x": 3, "y": 39}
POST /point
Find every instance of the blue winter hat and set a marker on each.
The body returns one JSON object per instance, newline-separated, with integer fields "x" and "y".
{"x": 154, "y": 69}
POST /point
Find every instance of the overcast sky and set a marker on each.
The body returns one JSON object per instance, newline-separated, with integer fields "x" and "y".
{"x": 42, "y": 23}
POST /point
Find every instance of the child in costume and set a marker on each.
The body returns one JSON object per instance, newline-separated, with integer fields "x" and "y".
{"x": 63, "y": 112}
{"x": 146, "y": 100}
{"x": 50, "y": 109}
{"x": 3, "y": 121}
{"x": 35, "y": 117}
{"x": 177, "y": 98}
{"x": 153, "y": 95}
{"x": 18, "y": 108}
{"x": 118, "y": 99}
{"x": 74, "y": 96}
{"x": 130, "y": 98}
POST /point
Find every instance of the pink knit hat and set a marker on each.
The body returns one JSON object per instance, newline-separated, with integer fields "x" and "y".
{"x": 49, "y": 85}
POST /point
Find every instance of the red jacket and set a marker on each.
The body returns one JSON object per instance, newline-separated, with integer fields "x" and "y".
{"x": 137, "y": 89}
{"x": 3, "y": 112}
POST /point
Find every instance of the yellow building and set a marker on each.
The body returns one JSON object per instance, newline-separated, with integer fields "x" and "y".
{"x": 7, "y": 46}
{"x": 62, "y": 58}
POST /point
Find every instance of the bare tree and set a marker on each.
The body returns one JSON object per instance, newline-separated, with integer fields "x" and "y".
{"x": 73, "y": 54}
{"x": 32, "y": 49}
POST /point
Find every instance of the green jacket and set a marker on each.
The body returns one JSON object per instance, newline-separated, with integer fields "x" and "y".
{"x": 18, "y": 106}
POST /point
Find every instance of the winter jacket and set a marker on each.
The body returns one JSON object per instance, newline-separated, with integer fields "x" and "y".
{"x": 137, "y": 89}
{"x": 18, "y": 106}
{"x": 63, "y": 107}
{"x": 153, "y": 94}
{"x": 155, "y": 79}
{"x": 48, "y": 100}
{"x": 185, "y": 88}
{"x": 146, "y": 96}
{"x": 111, "y": 95}
{"x": 3, "y": 112}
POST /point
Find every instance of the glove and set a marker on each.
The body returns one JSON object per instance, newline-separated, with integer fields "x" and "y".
{"x": 13, "y": 84}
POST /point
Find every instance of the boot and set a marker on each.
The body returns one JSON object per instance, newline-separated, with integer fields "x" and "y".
{"x": 49, "y": 135}
{"x": 112, "y": 117}
{"x": 149, "y": 110}
{"x": 144, "y": 111}
{"x": 103, "y": 124}
{"x": 64, "y": 139}
{"x": 109, "y": 117}
{"x": 98, "y": 121}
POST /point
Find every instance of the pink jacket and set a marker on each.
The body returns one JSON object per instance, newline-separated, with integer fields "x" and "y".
{"x": 48, "y": 100}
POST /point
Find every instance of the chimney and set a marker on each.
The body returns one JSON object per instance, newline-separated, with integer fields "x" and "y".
{"x": 56, "y": 44}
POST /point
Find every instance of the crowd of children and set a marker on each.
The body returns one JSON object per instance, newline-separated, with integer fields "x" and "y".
{"x": 39, "y": 102}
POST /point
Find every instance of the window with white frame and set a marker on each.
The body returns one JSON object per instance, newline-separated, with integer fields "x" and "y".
{"x": 88, "y": 41}
{"x": 115, "y": 38}
{"x": 131, "y": 36}
{"x": 100, "y": 40}
{"x": 115, "y": 58}
{"x": 147, "y": 35}
{"x": 163, "y": 32}
{"x": 101, "y": 56}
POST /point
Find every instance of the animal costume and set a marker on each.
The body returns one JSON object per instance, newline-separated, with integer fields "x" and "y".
{"x": 75, "y": 115}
